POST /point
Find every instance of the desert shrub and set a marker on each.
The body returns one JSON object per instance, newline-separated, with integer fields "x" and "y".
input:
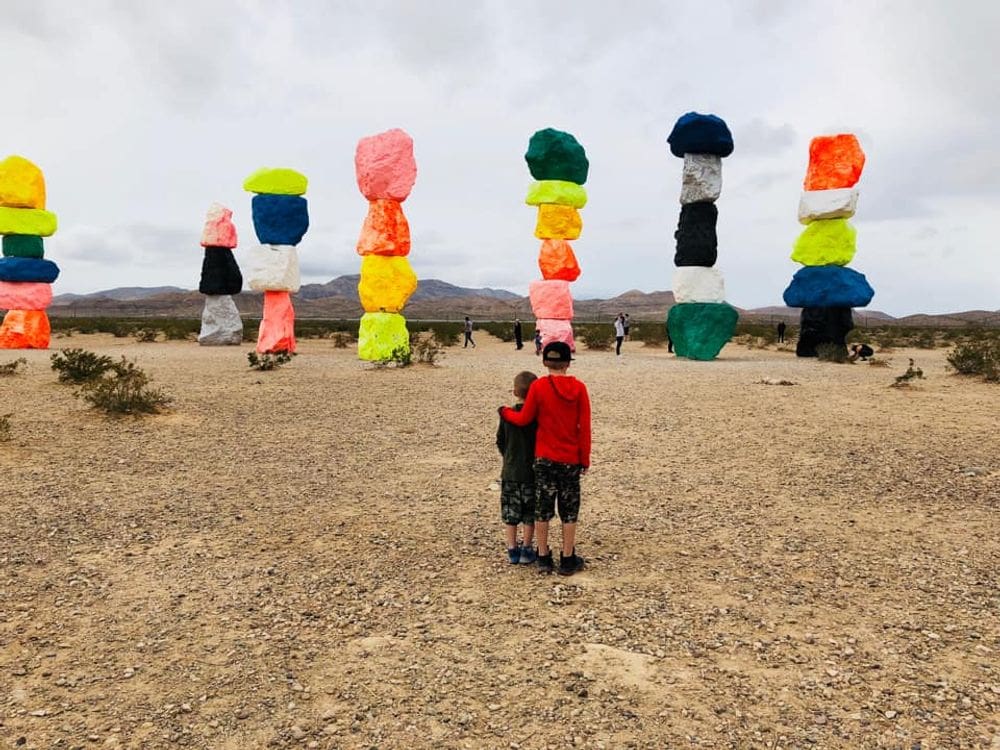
{"x": 5, "y": 427}
{"x": 831, "y": 353}
{"x": 180, "y": 330}
{"x": 124, "y": 390}
{"x": 341, "y": 340}
{"x": 977, "y": 358}
{"x": 10, "y": 368}
{"x": 79, "y": 365}
{"x": 873, "y": 362}
{"x": 596, "y": 337}
{"x": 271, "y": 361}
{"x": 912, "y": 373}
{"x": 146, "y": 335}
{"x": 426, "y": 348}
{"x": 649, "y": 333}
{"x": 925, "y": 340}
{"x": 448, "y": 334}
{"x": 501, "y": 330}
{"x": 760, "y": 334}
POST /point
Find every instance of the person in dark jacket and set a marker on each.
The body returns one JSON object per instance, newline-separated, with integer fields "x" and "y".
{"x": 517, "y": 482}
{"x": 518, "y": 340}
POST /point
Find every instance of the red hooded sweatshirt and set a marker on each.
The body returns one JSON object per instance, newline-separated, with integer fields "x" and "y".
{"x": 561, "y": 407}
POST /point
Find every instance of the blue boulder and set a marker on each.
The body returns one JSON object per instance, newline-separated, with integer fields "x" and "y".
{"x": 280, "y": 219}
{"x": 695, "y": 133}
{"x": 35, "y": 270}
{"x": 828, "y": 286}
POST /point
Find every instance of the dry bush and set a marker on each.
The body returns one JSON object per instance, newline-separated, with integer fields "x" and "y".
{"x": 125, "y": 390}
{"x": 5, "y": 427}
{"x": 79, "y": 365}
{"x": 977, "y": 358}
{"x": 10, "y": 368}
{"x": 271, "y": 361}
{"x": 341, "y": 339}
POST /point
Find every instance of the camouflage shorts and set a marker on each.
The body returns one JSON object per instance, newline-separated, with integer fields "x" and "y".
{"x": 517, "y": 502}
{"x": 557, "y": 485}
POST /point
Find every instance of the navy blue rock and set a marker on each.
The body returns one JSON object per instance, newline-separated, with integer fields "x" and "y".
{"x": 35, "y": 270}
{"x": 280, "y": 219}
{"x": 697, "y": 241}
{"x": 828, "y": 286}
{"x": 695, "y": 133}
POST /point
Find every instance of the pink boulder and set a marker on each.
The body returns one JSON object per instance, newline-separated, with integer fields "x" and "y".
{"x": 385, "y": 165}
{"x": 20, "y": 295}
{"x": 219, "y": 229}
{"x": 277, "y": 326}
{"x": 556, "y": 330}
{"x": 550, "y": 298}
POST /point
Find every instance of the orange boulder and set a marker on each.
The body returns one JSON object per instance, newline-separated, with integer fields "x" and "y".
{"x": 25, "y": 329}
{"x": 277, "y": 326}
{"x": 557, "y": 261}
{"x": 385, "y": 231}
{"x": 835, "y": 161}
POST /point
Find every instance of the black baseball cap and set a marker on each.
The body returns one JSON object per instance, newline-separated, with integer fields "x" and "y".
{"x": 557, "y": 351}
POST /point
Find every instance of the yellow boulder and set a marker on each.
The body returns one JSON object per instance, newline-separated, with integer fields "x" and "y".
{"x": 382, "y": 336}
{"x": 276, "y": 181}
{"x": 386, "y": 283}
{"x": 560, "y": 192}
{"x": 34, "y": 221}
{"x": 22, "y": 184}
{"x": 558, "y": 222}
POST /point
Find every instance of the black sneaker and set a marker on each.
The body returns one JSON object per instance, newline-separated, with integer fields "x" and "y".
{"x": 544, "y": 563}
{"x": 570, "y": 565}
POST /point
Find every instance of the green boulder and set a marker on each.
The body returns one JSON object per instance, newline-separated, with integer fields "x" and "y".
{"x": 826, "y": 242}
{"x": 555, "y": 155}
{"x": 23, "y": 246}
{"x": 700, "y": 329}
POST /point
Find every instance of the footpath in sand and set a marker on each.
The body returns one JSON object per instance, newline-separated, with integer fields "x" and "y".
{"x": 312, "y": 557}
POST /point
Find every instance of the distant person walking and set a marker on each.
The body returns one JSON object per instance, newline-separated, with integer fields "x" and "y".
{"x": 468, "y": 334}
{"x": 619, "y": 334}
{"x": 670, "y": 344}
{"x": 781, "y": 332}
{"x": 625, "y": 324}
{"x": 538, "y": 340}
{"x": 518, "y": 341}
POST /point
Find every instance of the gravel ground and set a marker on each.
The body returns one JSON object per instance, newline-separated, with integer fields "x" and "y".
{"x": 312, "y": 557}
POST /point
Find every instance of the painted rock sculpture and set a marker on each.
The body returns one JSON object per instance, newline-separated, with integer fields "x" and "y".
{"x": 221, "y": 324}
{"x": 825, "y": 288}
{"x": 559, "y": 165}
{"x": 25, "y": 276}
{"x": 385, "y": 170}
{"x": 280, "y": 220}
{"x": 701, "y": 322}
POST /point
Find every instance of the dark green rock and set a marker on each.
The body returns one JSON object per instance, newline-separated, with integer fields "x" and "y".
{"x": 700, "y": 329}
{"x": 23, "y": 246}
{"x": 555, "y": 155}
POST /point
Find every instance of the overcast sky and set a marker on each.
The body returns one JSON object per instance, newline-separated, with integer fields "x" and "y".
{"x": 142, "y": 114}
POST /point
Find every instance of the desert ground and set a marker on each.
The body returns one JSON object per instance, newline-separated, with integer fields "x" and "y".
{"x": 312, "y": 557}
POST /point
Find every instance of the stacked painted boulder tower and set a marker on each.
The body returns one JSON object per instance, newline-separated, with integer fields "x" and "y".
{"x": 25, "y": 275}
{"x": 221, "y": 324}
{"x": 386, "y": 172}
{"x": 700, "y": 322}
{"x": 559, "y": 165}
{"x": 825, "y": 288}
{"x": 280, "y": 220}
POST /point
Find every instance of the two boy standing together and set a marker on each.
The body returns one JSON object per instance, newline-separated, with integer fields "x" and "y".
{"x": 545, "y": 442}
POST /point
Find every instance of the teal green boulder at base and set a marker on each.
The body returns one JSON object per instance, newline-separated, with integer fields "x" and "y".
{"x": 555, "y": 155}
{"x": 700, "y": 329}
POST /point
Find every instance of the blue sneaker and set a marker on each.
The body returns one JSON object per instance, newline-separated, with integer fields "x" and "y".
{"x": 514, "y": 555}
{"x": 528, "y": 555}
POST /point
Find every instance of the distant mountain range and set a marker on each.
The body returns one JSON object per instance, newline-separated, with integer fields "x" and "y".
{"x": 439, "y": 300}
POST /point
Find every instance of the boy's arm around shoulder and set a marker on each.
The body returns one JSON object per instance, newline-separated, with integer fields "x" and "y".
{"x": 527, "y": 413}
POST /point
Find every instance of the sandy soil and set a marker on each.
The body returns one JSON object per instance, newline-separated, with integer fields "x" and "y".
{"x": 312, "y": 557}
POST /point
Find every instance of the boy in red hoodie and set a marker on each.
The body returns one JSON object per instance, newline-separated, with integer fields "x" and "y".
{"x": 560, "y": 405}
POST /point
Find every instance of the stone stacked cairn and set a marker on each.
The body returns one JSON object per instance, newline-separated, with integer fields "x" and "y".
{"x": 825, "y": 288}
{"x": 386, "y": 171}
{"x": 701, "y": 322}
{"x": 221, "y": 324}
{"x": 559, "y": 165}
{"x": 280, "y": 220}
{"x": 25, "y": 276}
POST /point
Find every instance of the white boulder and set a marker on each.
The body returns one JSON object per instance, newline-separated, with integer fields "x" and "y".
{"x": 221, "y": 324}
{"x": 827, "y": 204}
{"x": 274, "y": 268}
{"x": 702, "y": 178}
{"x": 698, "y": 284}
